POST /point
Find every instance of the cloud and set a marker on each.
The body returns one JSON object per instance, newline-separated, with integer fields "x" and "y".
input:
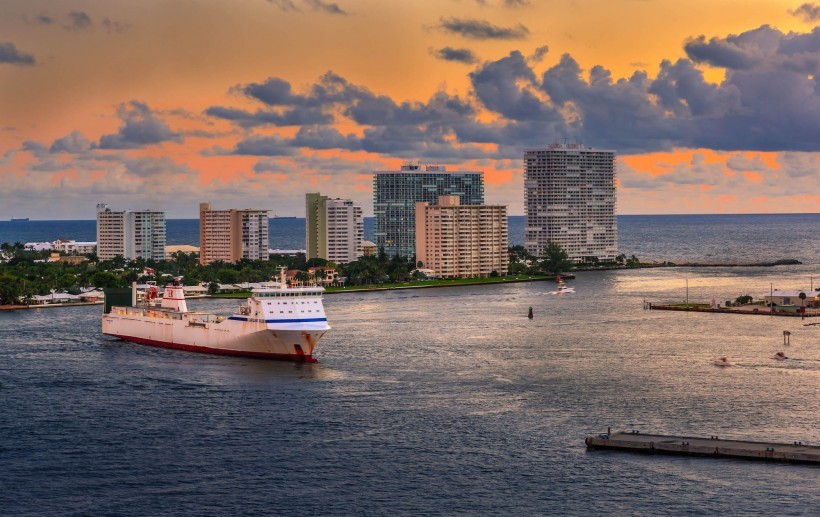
{"x": 152, "y": 167}
{"x": 140, "y": 128}
{"x": 482, "y": 30}
{"x": 460, "y": 55}
{"x": 516, "y": 3}
{"x": 77, "y": 20}
{"x": 326, "y": 7}
{"x": 40, "y": 19}
{"x": 288, "y": 117}
{"x": 112, "y": 26}
{"x": 264, "y": 146}
{"x": 9, "y": 54}
{"x": 809, "y": 12}
{"x": 538, "y": 54}
{"x": 74, "y": 142}
{"x": 285, "y": 5}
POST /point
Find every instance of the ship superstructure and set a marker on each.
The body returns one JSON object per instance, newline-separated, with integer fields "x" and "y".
{"x": 279, "y": 322}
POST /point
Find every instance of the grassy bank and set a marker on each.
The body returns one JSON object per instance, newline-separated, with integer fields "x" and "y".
{"x": 417, "y": 284}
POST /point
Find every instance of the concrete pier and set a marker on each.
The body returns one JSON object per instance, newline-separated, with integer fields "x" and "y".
{"x": 714, "y": 447}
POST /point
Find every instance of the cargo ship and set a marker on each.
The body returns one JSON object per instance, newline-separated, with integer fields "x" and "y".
{"x": 278, "y": 322}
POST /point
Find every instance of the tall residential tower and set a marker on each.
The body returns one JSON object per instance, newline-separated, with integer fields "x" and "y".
{"x": 395, "y": 194}
{"x": 334, "y": 228}
{"x": 130, "y": 233}
{"x": 230, "y": 235}
{"x": 570, "y": 200}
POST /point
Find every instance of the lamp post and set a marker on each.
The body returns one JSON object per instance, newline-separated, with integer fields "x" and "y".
{"x": 687, "y": 291}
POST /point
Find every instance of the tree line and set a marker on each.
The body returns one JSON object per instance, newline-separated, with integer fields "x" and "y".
{"x": 24, "y": 273}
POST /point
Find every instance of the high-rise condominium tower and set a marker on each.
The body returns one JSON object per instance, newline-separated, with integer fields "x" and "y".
{"x": 395, "y": 194}
{"x": 334, "y": 228}
{"x": 230, "y": 235}
{"x": 570, "y": 200}
{"x": 461, "y": 241}
{"x": 130, "y": 233}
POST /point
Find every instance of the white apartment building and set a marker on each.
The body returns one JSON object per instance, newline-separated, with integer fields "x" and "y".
{"x": 130, "y": 233}
{"x": 334, "y": 228}
{"x": 461, "y": 241}
{"x": 231, "y": 235}
{"x": 570, "y": 200}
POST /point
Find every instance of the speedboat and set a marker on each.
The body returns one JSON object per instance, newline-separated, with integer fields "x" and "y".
{"x": 563, "y": 289}
{"x": 723, "y": 361}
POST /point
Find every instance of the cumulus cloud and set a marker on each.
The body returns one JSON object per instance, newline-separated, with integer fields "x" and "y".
{"x": 808, "y": 12}
{"x": 74, "y": 142}
{"x": 140, "y": 128}
{"x": 769, "y": 100}
{"x": 482, "y": 30}
{"x": 9, "y": 54}
{"x": 460, "y": 55}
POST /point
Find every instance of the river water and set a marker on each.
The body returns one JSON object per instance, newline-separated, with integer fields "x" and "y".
{"x": 441, "y": 401}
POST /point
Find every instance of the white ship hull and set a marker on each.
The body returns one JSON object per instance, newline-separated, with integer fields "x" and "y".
{"x": 276, "y": 324}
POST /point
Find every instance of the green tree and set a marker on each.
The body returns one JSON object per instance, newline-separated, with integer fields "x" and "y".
{"x": 102, "y": 279}
{"x": 11, "y": 289}
{"x": 556, "y": 259}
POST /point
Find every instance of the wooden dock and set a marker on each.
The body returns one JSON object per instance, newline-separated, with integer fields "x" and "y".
{"x": 713, "y": 447}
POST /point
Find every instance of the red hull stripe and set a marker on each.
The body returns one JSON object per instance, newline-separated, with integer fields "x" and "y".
{"x": 302, "y": 358}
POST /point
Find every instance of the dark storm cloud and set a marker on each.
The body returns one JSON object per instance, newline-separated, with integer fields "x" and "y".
{"x": 482, "y": 30}
{"x": 809, "y": 12}
{"x": 140, "y": 128}
{"x": 77, "y": 20}
{"x": 460, "y": 55}
{"x": 326, "y": 7}
{"x": 9, "y": 54}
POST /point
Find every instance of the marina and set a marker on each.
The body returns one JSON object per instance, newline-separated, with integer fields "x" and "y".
{"x": 713, "y": 447}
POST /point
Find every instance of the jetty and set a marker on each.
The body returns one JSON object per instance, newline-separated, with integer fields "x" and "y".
{"x": 746, "y": 309}
{"x": 713, "y": 447}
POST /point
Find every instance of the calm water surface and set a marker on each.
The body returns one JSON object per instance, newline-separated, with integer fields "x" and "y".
{"x": 447, "y": 401}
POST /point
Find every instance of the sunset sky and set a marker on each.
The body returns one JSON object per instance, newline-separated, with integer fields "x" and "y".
{"x": 713, "y": 106}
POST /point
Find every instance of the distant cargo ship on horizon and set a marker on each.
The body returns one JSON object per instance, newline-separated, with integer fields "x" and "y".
{"x": 18, "y": 220}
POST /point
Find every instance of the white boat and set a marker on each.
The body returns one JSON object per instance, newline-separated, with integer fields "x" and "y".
{"x": 279, "y": 322}
{"x": 563, "y": 289}
{"x": 723, "y": 361}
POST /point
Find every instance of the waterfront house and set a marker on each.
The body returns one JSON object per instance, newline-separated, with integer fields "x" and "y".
{"x": 792, "y": 297}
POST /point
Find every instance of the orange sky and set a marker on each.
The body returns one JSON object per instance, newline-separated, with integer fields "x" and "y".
{"x": 92, "y": 58}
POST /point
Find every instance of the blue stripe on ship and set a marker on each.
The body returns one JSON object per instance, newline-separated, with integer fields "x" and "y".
{"x": 305, "y": 320}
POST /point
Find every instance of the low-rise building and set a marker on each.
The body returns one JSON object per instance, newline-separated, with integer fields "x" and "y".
{"x": 792, "y": 297}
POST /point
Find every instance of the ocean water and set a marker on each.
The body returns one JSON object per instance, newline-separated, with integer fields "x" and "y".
{"x": 705, "y": 238}
{"x": 443, "y": 401}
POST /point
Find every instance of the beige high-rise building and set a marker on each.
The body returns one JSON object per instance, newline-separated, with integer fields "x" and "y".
{"x": 461, "y": 241}
{"x": 230, "y": 235}
{"x": 131, "y": 234}
{"x": 334, "y": 228}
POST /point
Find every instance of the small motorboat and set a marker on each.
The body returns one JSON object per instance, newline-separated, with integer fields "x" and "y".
{"x": 723, "y": 361}
{"x": 564, "y": 290}
{"x": 780, "y": 356}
